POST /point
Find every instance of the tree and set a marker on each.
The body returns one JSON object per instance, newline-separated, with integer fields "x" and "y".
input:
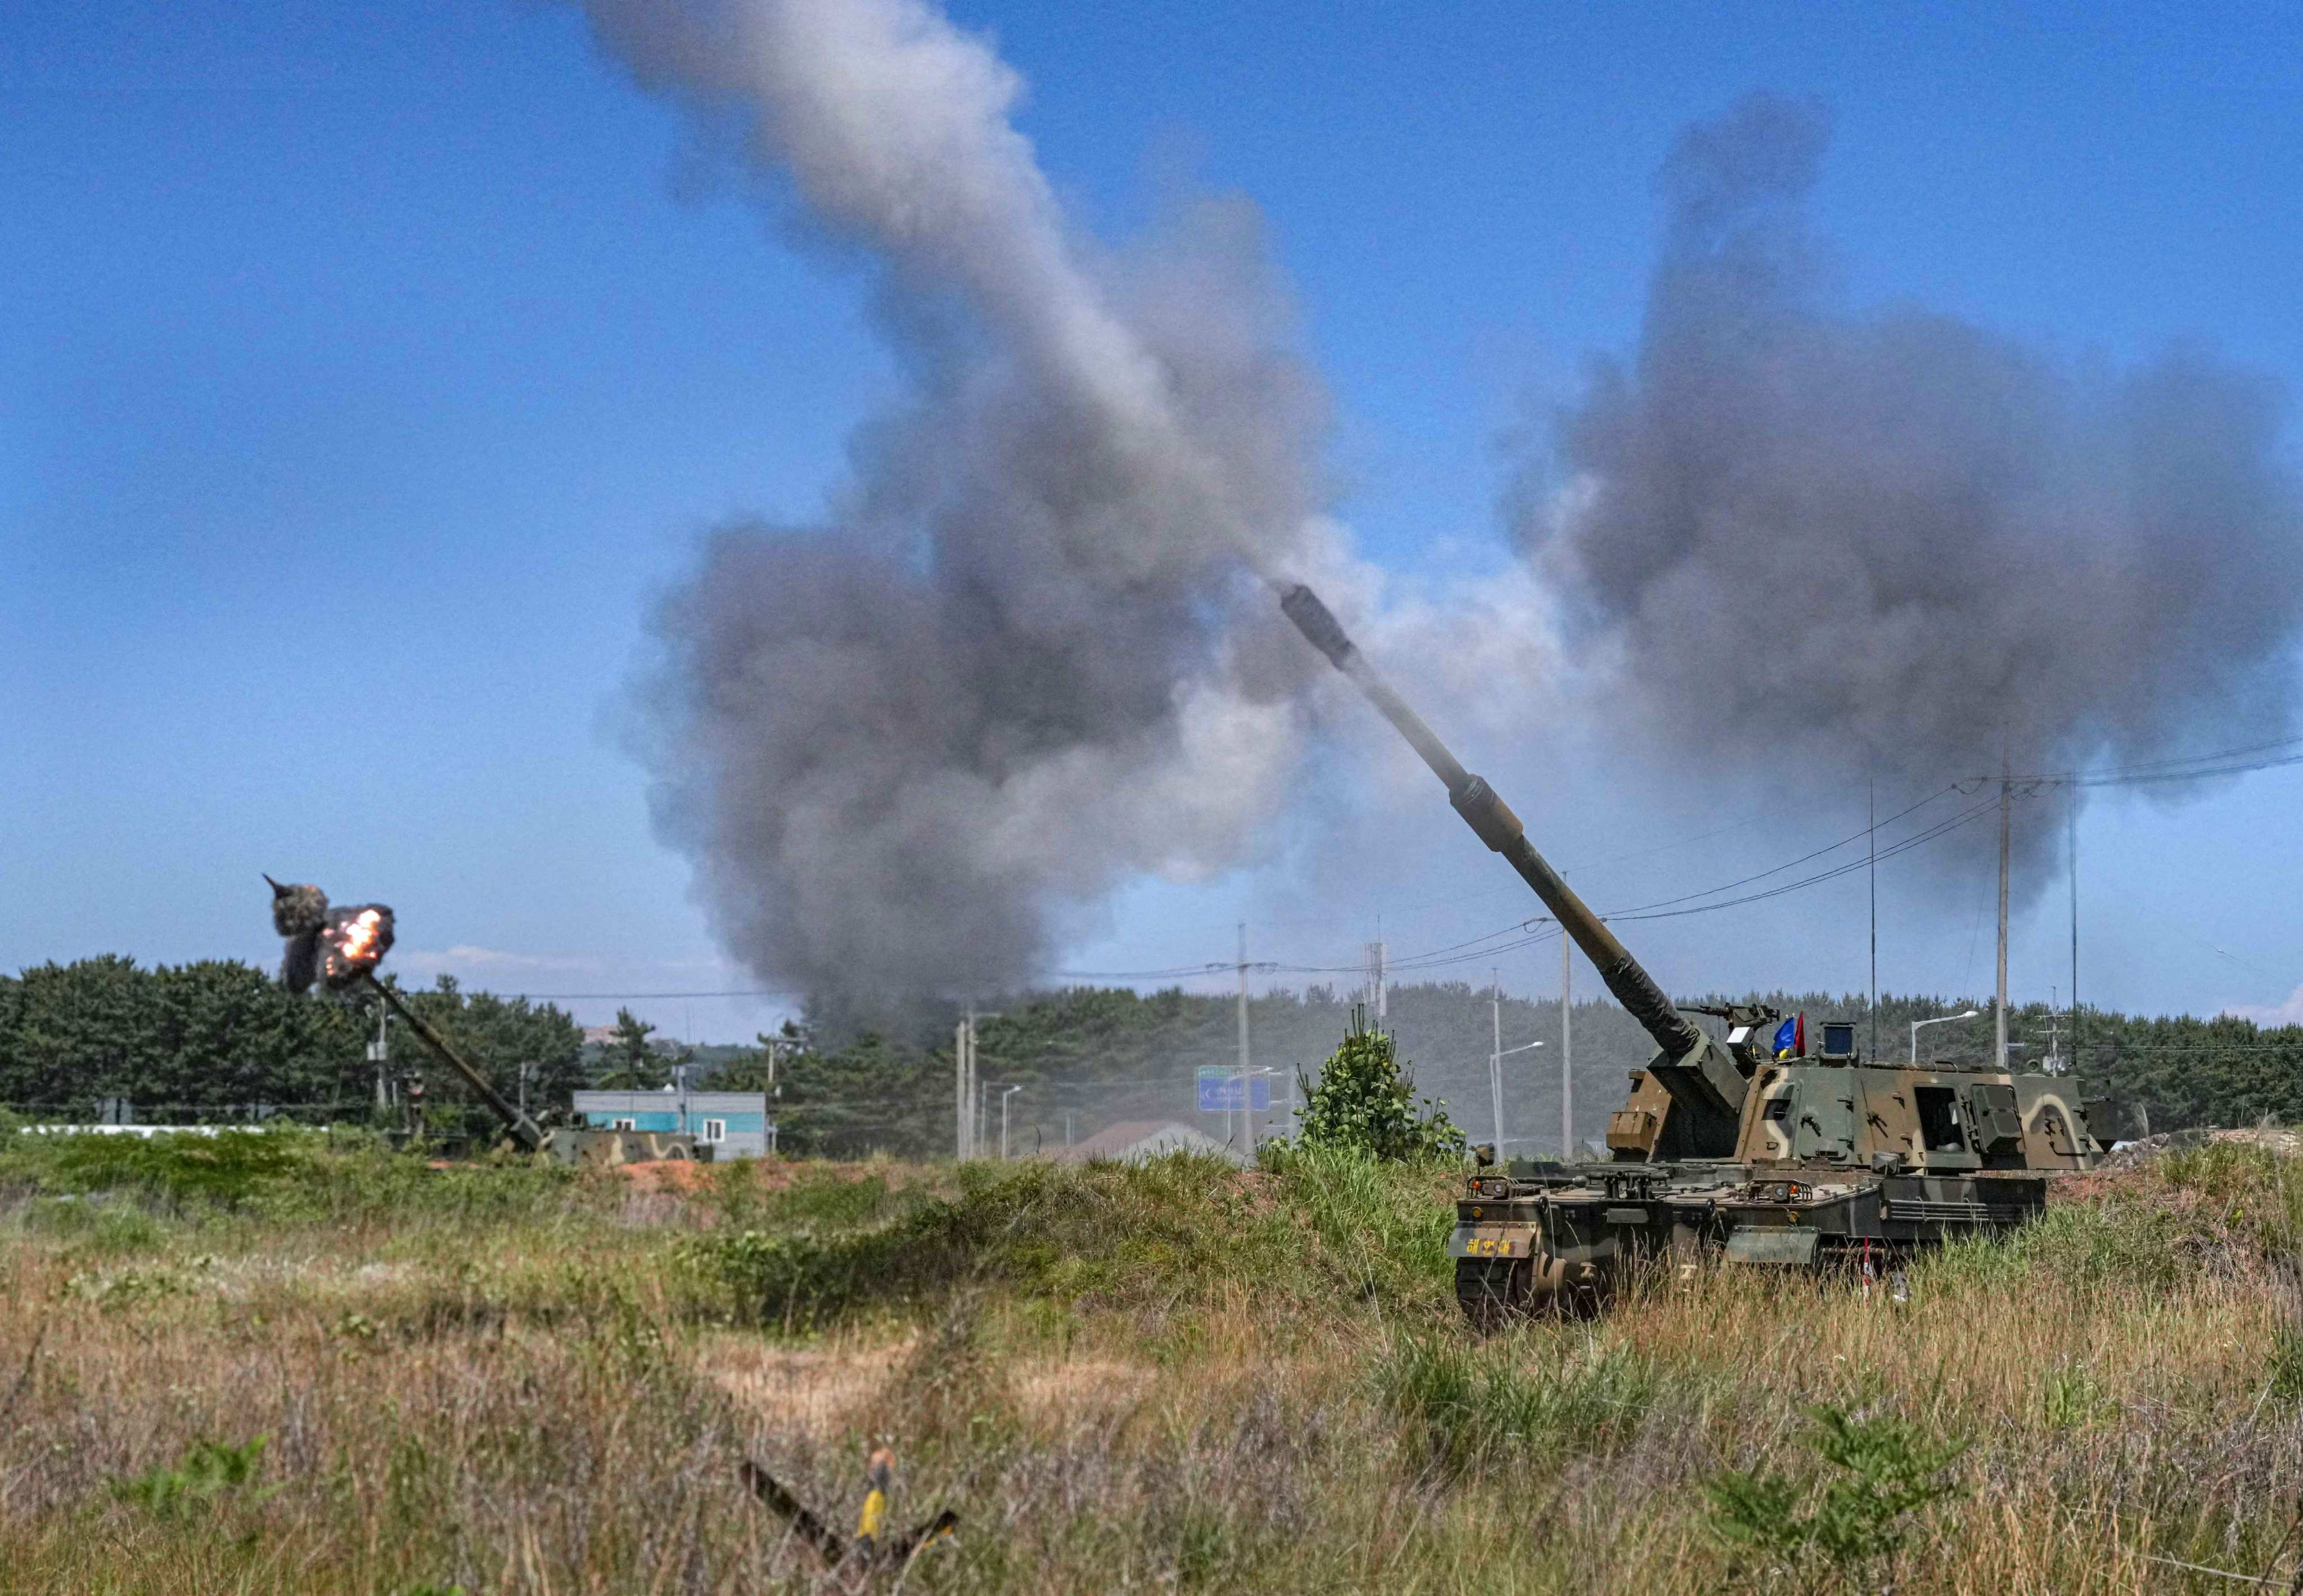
{"x": 179, "y": 1042}
{"x": 630, "y": 1062}
{"x": 755, "y": 1070}
{"x": 873, "y": 1094}
{"x": 1366, "y": 1101}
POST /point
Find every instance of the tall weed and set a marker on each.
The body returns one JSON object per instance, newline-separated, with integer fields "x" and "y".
{"x": 1471, "y": 1404}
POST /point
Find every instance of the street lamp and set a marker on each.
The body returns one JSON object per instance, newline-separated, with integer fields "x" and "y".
{"x": 1496, "y": 1087}
{"x": 1939, "y": 1019}
{"x": 1004, "y": 1096}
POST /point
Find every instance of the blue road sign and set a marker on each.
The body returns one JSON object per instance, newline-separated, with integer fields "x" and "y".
{"x": 1219, "y": 1091}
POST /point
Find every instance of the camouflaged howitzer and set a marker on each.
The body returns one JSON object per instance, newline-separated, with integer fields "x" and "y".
{"x": 1809, "y": 1161}
{"x": 341, "y": 948}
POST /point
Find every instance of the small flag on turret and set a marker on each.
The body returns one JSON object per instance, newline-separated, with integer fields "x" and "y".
{"x": 1791, "y": 1038}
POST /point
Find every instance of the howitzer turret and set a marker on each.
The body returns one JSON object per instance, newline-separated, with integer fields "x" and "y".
{"x": 1776, "y": 1155}
{"x": 340, "y": 947}
{"x": 1702, "y": 1084}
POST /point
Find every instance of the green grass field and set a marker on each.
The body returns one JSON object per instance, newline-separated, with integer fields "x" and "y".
{"x": 288, "y": 1365}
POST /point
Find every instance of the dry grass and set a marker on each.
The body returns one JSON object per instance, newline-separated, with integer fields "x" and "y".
{"x": 1174, "y": 1380}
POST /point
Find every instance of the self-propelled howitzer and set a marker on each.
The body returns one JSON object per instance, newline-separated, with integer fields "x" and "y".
{"x": 1787, "y": 1157}
{"x": 1702, "y": 1084}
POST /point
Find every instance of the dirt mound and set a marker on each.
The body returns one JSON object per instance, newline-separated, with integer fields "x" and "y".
{"x": 2285, "y": 1144}
{"x": 666, "y": 1175}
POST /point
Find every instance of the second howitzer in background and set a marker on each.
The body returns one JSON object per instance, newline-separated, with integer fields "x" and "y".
{"x": 340, "y": 947}
{"x": 1793, "y": 1160}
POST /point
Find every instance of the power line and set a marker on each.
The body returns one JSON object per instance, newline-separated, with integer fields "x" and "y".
{"x": 1487, "y": 944}
{"x": 2189, "y": 767}
{"x": 1868, "y": 831}
{"x": 1524, "y": 934}
{"x": 1688, "y": 903}
{"x": 610, "y": 997}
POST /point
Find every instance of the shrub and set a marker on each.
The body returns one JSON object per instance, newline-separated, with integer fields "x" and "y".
{"x": 1886, "y": 1471}
{"x": 1365, "y": 1102}
{"x": 209, "y": 1471}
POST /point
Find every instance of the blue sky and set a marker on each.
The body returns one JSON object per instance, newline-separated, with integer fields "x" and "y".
{"x": 364, "y": 368}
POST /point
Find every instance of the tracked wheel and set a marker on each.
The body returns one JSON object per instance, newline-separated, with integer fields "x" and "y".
{"x": 1492, "y": 1291}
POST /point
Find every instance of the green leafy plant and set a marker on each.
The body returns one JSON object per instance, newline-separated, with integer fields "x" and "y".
{"x": 210, "y": 1470}
{"x": 1365, "y": 1100}
{"x": 1883, "y": 1471}
{"x": 2074, "y": 1397}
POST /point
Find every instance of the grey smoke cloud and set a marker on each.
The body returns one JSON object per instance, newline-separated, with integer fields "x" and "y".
{"x": 1026, "y": 654}
{"x": 1805, "y": 540}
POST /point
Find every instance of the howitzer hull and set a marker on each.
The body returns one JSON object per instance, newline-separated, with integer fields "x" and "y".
{"x": 1559, "y": 1238}
{"x": 607, "y": 1149}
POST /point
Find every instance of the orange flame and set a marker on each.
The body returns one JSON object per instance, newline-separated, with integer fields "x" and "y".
{"x": 358, "y": 944}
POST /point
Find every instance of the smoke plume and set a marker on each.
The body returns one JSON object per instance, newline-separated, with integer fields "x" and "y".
{"x": 1808, "y": 541}
{"x": 1026, "y": 655}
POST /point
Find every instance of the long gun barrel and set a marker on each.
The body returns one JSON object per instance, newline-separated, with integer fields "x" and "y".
{"x": 522, "y": 1130}
{"x": 1497, "y": 826}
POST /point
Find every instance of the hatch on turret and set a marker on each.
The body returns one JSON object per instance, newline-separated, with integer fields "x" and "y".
{"x": 1938, "y": 1109}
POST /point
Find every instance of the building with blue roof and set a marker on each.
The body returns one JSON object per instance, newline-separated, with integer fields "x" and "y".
{"x": 732, "y": 1124}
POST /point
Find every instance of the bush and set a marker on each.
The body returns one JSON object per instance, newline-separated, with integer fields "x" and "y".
{"x": 1365, "y": 1102}
{"x": 1886, "y": 1471}
{"x": 819, "y": 1195}
{"x": 209, "y": 1471}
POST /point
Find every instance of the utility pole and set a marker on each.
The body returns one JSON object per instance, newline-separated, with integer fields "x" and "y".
{"x": 1873, "y": 834}
{"x": 1496, "y": 1058}
{"x": 1375, "y": 980}
{"x": 771, "y": 1093}
{"x": 2006, "y": 787}
{"x": 2071, "y": 850}
{"x": 379, "y": 1052}
{"x": 1247, "y": 1095}
{"x": 1004, "y": 1096}
{"x": 960, "y": 1041}
{"x": 1567, "y": 1047}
